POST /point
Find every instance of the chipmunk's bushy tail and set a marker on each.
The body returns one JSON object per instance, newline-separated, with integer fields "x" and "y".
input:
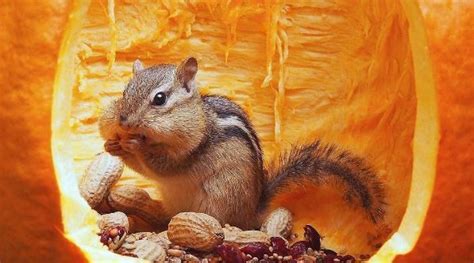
{"x": 319, "y": 164}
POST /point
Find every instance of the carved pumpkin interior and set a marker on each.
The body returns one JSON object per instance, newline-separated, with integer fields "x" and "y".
{"x": 356, "y": 75}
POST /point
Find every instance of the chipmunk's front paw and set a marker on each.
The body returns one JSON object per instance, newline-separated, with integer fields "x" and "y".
{"x": 114, "y": 148}
{"x": 133, "y": 144}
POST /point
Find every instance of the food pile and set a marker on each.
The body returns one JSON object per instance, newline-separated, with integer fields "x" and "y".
{"x": 190, "y": 237}
{"x": 197, "y": 237}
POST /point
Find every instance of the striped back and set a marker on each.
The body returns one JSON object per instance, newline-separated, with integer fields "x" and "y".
{"x": 235, "y": 123}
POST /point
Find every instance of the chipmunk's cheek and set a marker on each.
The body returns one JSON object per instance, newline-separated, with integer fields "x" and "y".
{"x": 136, "y": 136}
{"x": 152, "y": 136}
{"x": 132, "y": 145}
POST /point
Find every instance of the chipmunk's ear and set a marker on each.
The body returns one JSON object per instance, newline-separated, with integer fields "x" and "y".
{"x": 186, "y": 72}
{"x": 137, "y": 66}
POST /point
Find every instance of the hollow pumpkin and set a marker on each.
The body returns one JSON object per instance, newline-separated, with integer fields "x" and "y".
{"x": 341, "y": 79}
{"x": 330, "y": 72}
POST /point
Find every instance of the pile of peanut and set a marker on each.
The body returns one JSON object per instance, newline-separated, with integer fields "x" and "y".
{"x": 190, "y": 237}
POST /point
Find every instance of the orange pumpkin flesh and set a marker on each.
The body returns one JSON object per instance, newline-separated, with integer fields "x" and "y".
{"x": 302, "y": 72}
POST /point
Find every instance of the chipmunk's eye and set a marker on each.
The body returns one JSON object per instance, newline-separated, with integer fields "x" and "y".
{"x": 159, "y": 99}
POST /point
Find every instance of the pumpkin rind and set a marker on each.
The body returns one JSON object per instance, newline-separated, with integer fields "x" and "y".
{"x": 450, "y": 40}
{"x": 31, "y": 218}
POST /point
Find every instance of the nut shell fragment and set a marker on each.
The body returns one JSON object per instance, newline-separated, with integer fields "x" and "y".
{"x": 101, "y": 174}
{"x": 195, "y": 230}
{"x": 164, "y": 236}
{"x": 278, "y": 223}
{"x": 130, "y": 241}
{"x": 149, "y": 250}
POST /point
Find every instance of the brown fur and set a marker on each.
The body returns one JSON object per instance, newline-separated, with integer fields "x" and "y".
{"x": 181, "y": 146}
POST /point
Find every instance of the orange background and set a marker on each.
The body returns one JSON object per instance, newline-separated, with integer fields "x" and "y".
{"x": 30, "y": 219}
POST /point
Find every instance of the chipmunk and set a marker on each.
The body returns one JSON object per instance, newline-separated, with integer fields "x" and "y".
{"x": 205, "y": 155}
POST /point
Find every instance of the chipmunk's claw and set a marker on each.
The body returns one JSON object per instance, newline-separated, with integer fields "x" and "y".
{"x": 133, "y": 144}
{"x": 114, "y": 148}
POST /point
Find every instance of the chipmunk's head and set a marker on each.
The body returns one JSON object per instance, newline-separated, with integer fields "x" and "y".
{"x": 163, "y": 104}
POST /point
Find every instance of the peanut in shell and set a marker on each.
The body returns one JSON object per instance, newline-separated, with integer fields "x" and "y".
{"x": 250, "y": 236}
{"x": 135, "y": 201}
{"x": 195, "y": 230}
{"x": 101, "y": 174}
{"x": 278, "y": 223}
{"x": 113, "y": 220}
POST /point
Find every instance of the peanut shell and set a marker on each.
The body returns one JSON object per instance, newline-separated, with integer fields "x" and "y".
{"x": 249, "y": 236}
{"x": 149, "y": 250}
{"x": 101, "y": 174}
{"x": 195, "y": 230}
{"x": 164, "y": 236}
{"x": 278, "y": 223}
{"x": 191, "y": 258}
{"x": 175, "y": 253}
{"x": 130, "y": 241}
{"x": 112, "y": 220}
{"x": 230, "y": 232}
{"x": 133, "y": 200}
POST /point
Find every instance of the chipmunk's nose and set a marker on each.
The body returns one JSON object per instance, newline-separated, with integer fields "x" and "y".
{"x": 126, "y": 123}
{"x": 123, "y": 119}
